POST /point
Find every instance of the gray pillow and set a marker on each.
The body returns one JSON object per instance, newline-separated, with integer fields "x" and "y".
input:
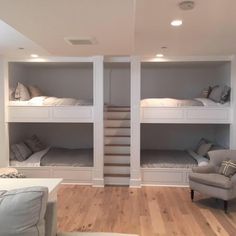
{"x": 216, "y": 93}
{"x": 22, "y": 92}
{"x": 225, "y": 96}
{"x": 21, "y": 151}
{"x": 228, "y": 168}
{"x": 35, "y": 144}
{"x": 35, "y": 91}
{"x": 22, "y": 212}
{"x": 203, "y": 149}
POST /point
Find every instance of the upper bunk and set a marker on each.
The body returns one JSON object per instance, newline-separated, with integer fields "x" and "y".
{"x": 186, "y": 92}
{"x": 52, "y": 91}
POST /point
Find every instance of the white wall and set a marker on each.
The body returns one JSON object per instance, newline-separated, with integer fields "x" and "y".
{"x": 55, "y": 79}
{"x": 181, "y": 136}
{"x": 181, "y": 81}
{"x": 54, "y": 134}
{"x": 117, "y": 84}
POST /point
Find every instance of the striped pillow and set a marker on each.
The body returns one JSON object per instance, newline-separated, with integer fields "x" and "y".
{"x": 228, "y": 168}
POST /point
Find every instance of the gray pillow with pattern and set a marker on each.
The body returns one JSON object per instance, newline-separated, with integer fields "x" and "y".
{"x": 228, "y": 168}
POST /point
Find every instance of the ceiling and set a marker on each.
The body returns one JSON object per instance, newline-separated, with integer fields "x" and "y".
{"x": 127, "y": 27}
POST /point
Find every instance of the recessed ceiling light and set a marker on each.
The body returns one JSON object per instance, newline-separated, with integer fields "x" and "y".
{"x": 176, "y": 22}
{"x": 34, "y": 55}
{"x": 159, "y": 55}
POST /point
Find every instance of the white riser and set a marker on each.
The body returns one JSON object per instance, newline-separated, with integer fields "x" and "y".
{"x": 117, "y": 140}
{"x": 117, "y": 150}
{"x": 117, "y": 131}
{"x": 117, "y": 159}
{"x": 116, "y": 169}
{"x": 117, "y": 123}
{"x": 117, "y": 115}
{"x": 116, "y": 180}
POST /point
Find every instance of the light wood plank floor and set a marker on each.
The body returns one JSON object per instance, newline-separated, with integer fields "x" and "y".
{"x": 149, "y": 211}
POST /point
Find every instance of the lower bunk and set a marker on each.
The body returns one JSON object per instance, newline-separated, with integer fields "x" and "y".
{"x": 166, "y": 167}
{"x": 73, "y": 165}
{"x": 52, "y": 151}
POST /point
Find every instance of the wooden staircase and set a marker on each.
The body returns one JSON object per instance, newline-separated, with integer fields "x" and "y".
{"x": 117, "y": 145}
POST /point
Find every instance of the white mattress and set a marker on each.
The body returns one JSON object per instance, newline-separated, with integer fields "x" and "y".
{"x": 51, "y": 101}
{"x": 171, "y": 102}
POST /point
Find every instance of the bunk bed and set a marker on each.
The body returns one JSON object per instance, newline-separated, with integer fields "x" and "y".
{"x": 199, "y": 110}
{"x": 57, "y": 92}
{"x": 185, "y": 101}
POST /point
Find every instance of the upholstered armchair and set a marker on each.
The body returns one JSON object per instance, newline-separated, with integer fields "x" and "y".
{"x": 208, "y": 180}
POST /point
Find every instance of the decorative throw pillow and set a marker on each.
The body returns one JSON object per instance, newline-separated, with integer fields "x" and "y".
{"x": 21, "y": 151}
{"x": 35, "y": 144}
{"x": 22, "y": 212}
{"x": 22, "y": 93}
{"x": 35, "y": 91}
{"x": 203, "y": 149}
{"x": 206, "y": 92}
{"x": 11, "y": 94}
{"x": 225, "y": 96}
{"x": 216, "y": 93}
{"x": 228, "y": 168}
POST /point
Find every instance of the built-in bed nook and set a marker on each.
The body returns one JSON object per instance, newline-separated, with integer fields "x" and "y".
{"x": 185, "y": 92}
{"x": 62, "y": 150}
{"x": 50, "y": 91}
{"x": 169, "y": 151}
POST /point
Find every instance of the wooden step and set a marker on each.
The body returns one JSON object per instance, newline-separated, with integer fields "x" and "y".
{"x": 117, "y": 140}
{"x": 117, "y": 145}
{"x": 117, "y": 164}
{"x": 117, "y": 123}
{"x": 117, "y": 115}
{"x": 117, "y": 136}
{"x": 117, "y": 150}
{"x": 117, "y": 175}
{"x": 117, "y": 169}
{"x": 117, "y": 179}
{"x": 116, "y": 131}
{"x": 117, "y": 159}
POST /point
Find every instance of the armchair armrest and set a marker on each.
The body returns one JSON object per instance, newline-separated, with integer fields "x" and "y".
{"x": 51, "y": 219}
{"x": 204, "y": 169}
{"x": 233, "y": 179}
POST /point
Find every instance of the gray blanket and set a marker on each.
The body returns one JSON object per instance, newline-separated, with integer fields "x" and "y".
{"x": 167, "y": 159}
{"x": 68, "y": 157}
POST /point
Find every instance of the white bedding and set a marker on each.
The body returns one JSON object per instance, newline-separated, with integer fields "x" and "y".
{"x": 51, "y": 101}
{"x": 171, "y": 102}
{"x": 32, "y": 161}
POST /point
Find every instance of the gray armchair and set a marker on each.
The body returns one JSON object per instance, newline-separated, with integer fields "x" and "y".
{"x": 207, "y": 180}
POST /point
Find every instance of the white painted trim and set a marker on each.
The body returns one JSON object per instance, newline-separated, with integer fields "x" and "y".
{"x": 135, "y": 174}
{"x": 98, "y": 178}
{"x": 188, "y": 59}
{"x": 117, "y": 59}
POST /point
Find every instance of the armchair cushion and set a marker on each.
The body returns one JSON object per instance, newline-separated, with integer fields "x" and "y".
{"x": 211, "y": 179}
{"x": 205, "y": 169}
{"x": 228, "y": 168}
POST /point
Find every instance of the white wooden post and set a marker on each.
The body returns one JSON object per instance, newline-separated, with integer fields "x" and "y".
{"x": 98, "y": 177}
{"x": 4, "y": 146}
{"x": 135, "y": 173}
{"x": 233, "y": 105}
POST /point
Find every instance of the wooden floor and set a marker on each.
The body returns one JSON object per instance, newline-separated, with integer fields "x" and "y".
{"x": 149, "y": 211}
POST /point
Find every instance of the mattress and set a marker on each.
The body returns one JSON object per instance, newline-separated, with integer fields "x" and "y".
{"x": 68, "y": 157}
{"x": 171, "y": 102}
{"x": 51, "y": 101}
{"x": 167, "y": 159}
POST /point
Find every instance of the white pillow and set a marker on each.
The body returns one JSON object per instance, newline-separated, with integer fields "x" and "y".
{"x": 22, "y": 92}
{"x": 22, "y": 212}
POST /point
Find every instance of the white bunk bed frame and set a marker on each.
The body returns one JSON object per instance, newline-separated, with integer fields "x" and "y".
{"x": 185, "y": 115}
{"x": 94, "y": 175}
{"x": 63, "y": 114}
